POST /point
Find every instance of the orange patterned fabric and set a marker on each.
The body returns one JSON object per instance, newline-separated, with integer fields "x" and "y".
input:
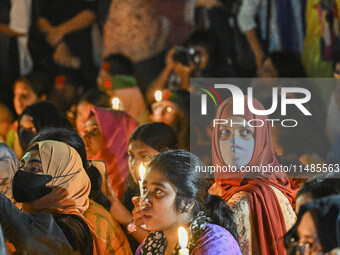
{"x": 109, "y": 232}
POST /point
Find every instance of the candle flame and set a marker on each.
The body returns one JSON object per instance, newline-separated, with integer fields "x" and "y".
{"x": 142, "y": 171}
{"x": 115, "y": 103}
{"x": 158, "y": 96}
{"x": 182, "y": 237}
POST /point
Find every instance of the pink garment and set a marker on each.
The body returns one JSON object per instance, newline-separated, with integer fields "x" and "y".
{"x": 116, "y": 128}
{"x": 177, "y": 12}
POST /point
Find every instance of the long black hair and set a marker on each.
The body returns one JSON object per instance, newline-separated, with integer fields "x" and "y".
{"x": 157, "y": 135}
{"x": 179, "y": 167}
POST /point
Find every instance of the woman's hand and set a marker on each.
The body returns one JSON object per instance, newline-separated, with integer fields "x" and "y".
{"x": 184, "y": 73}
{"x": 111, "y": 195}
{"x": 137, "y": 214}
{"x": 170, "y": 63}
{"x": 55, "y": 35}
{"x": 63, "y": 57}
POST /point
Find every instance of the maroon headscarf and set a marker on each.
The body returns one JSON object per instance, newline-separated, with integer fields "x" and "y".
{"x": 116, "y": 128}
{"x": 266, "y": 211}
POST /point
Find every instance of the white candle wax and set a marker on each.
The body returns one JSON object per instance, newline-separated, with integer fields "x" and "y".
{"x": 183, "y": 241}
{"x": 184, "y": 251}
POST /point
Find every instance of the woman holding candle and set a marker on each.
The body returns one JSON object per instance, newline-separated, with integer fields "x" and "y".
{"x": 106, "y": 138}
{"x": 175, "y": 195}
{"x": 261, "y": 202}
{"x": 173, "y": 108}
{"x": 145, "y": 142}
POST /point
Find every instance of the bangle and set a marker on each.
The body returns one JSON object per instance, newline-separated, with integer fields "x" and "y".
{"x": 131, "y": 227}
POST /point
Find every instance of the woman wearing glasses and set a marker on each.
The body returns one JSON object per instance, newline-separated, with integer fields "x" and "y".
{"x": 317, "y": 229}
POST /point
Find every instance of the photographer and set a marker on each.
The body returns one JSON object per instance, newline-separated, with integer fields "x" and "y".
{"x": 199, "y": 57}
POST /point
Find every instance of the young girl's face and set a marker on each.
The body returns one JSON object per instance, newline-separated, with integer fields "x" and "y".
{"x": 93, "y": 138}
{"x": 139, "y": 152}
{"x": 159, "y": 203}
{"x": 23, "y": 96}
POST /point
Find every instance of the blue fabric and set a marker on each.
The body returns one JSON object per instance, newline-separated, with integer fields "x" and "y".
{"x": 287, "y": 25}
{"x": 215, "y": 240}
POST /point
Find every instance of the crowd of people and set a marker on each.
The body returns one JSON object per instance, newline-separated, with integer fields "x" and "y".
{"x": 99, "y": 145}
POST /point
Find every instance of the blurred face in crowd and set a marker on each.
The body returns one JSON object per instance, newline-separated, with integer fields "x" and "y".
{"x": 104, "y": 80}
{"x": 337, "y": 70}
{"x": 93, "y": 138}
{"x": 83, "y": 111}
{"x": 164, "y": 111}
{"x": 5, "y": 122}
{"x": 159, "y": 203}
{"x": 139, "y": 153}
{"x": 268, "y": 70}
{"x": 27, "y": 123}
{"x": 236, "y": 141}
{"x": 27, "y": 131}
{"x": 308, "y": 237}
{"x": 24, "y": 96}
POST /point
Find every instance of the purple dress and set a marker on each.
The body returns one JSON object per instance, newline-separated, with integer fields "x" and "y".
{"x": 215, "y": 240}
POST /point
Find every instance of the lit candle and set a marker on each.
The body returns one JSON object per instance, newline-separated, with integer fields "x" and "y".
{"x": 183, "y": 241}
{"x": 158, "y": 96}
{"x": 115, "y": 103}
{"x": 142, "y": 171}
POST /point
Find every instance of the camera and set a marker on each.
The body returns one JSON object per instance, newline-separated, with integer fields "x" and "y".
{"x": 187, "y": 56}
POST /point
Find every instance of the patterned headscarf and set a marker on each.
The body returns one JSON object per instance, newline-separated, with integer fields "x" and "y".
{"x": 265, "y": 206}
{"x": 70, "y": 191}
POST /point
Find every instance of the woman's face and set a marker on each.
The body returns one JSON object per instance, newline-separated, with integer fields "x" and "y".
{"x": 308, "y": 236}
{"x": 31, "y": 162}
{"x": 139, "y": 153}
{"x": 159, "y": 203}
{"x": 236, "y": 141}
{"x": 93, "y": 138}
{"x": 27, "y": 131}
{"x": 27, "y": 123}
{"x": 83, "y": 110}
{"x": 164, "y": 111}
{"x": 23, "y": 96}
